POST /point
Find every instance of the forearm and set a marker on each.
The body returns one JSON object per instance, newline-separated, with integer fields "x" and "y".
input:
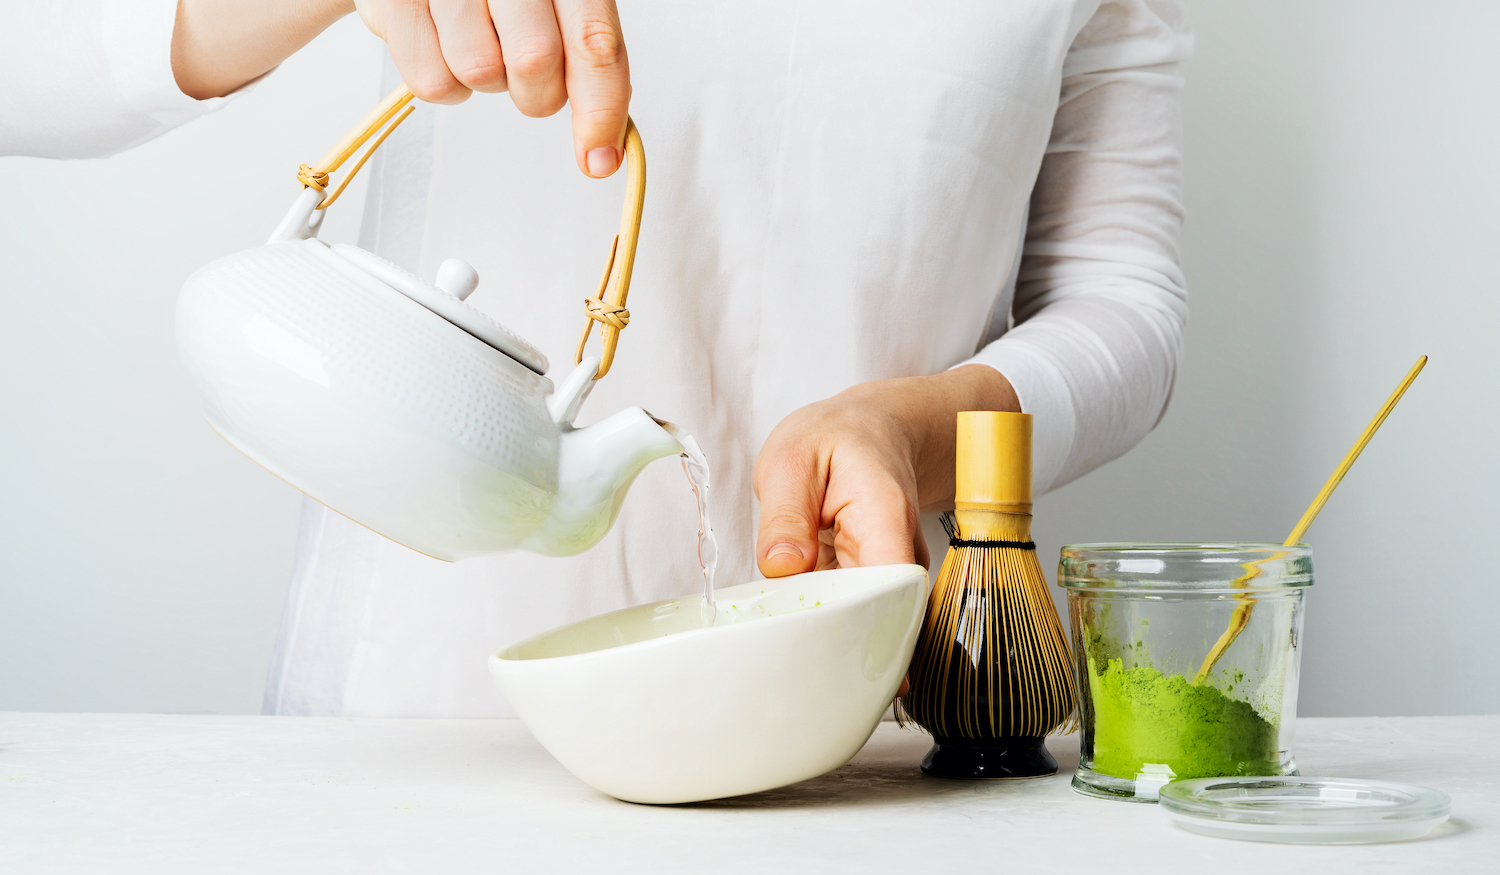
{"x": 1100, "y": 304}
{"x": 219, "y": 45}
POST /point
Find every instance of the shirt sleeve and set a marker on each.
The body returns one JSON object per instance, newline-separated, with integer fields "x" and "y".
{"x": 89, "y": 78}
{"x": 1100, "y": 301}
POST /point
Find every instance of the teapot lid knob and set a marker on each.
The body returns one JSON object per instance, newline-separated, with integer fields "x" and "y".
{"x": 458, "y": 278}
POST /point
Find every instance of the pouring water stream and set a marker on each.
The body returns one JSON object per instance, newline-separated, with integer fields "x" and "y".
{"x": 695, "y": 466}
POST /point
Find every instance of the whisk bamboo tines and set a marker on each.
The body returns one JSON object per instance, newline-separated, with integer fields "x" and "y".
{"x": 991, "y": 676}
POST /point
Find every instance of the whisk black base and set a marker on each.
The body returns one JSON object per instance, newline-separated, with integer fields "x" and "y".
{"x": 978, "y": 759}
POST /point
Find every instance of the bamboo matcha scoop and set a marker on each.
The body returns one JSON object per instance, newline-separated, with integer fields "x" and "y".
{"x": 1241, "y": 615}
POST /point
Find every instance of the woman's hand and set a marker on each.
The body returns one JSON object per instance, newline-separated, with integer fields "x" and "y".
{"x": 841, "y": 482}
{"x": 546, "y": 53}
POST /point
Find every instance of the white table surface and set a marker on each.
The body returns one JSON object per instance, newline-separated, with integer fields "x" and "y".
{"x": 136, "y": 793}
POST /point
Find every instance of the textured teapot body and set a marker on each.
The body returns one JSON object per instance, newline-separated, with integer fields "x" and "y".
{"x": 395, "y": 417}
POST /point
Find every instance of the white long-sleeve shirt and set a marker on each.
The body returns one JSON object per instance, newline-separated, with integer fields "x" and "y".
{"x": 89, "y": 78}
{"x": 838, "y": 193}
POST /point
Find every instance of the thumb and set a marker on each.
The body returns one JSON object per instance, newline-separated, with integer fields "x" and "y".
{"x": 791, "y": 500}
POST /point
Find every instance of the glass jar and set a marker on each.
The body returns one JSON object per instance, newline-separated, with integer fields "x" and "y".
{"x": 1145, "y": 618}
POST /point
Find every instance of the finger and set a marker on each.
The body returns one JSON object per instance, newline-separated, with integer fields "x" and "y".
{"x": 412, "y": 38}
{"x": 598, "y": 82}
{"x": 470, "y": 46}
{"x": 877, "y": 527}
{"x": 789, "y": 482}
{"x": 827, "y": 556}
{"x": 533, "y": 52}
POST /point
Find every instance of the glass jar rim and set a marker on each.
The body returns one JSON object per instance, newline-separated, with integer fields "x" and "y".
{"x": 1185, "y": 567}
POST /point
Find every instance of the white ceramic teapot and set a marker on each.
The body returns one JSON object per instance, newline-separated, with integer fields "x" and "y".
{"x": 397, "y": 404}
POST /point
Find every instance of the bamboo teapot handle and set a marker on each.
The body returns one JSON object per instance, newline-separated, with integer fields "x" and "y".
{"x": 608, "y": 310}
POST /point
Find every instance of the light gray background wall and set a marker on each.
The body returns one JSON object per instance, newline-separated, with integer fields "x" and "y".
{"x": 1342, "y": 189}
{"x": 143, "y": 563}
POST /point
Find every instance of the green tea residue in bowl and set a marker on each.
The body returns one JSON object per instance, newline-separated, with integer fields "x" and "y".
{"x": 1143, "y": 717}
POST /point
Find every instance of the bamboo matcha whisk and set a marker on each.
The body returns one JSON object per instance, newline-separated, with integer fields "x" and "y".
{"x": 991, "y": 676}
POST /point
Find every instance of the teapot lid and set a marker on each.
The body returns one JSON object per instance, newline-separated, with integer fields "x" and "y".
{"x": 455, "y": 281}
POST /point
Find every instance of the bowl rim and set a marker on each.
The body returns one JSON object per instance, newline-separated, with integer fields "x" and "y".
{"x": 913, "y": 574}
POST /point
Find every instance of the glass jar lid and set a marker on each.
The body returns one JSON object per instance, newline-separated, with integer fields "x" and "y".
{"x": 1304, "y": 810}
{"x": 1185, "y": 568}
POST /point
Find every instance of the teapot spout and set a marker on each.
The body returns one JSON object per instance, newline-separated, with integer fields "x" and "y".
{"x": 596, "y": 466}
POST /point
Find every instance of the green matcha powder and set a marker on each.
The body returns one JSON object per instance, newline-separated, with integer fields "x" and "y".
{"x": 1142, "y": 716}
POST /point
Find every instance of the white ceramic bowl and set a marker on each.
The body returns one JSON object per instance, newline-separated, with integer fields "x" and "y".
{"x": 649, "y": 704}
